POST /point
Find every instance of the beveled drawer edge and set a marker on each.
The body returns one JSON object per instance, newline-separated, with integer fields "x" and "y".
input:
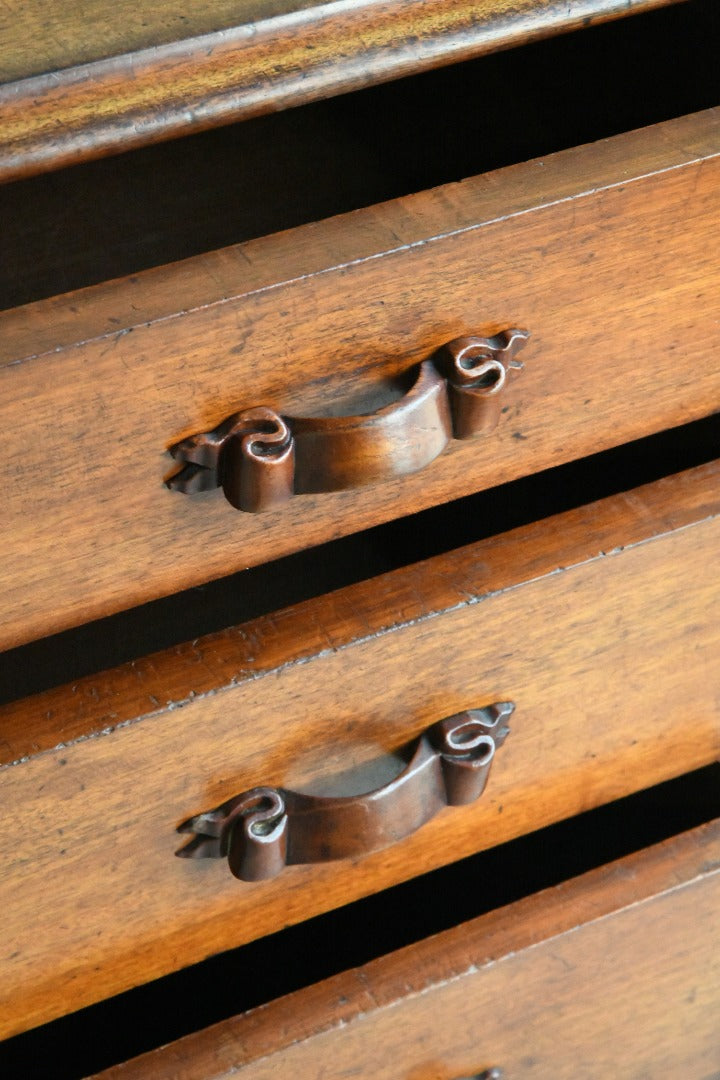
{"x": 193, "y": 289}
{"x": 690, "y": 860}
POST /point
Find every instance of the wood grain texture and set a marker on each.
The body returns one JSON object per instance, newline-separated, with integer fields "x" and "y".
{"x": 601, "y": 624}
{"x": 40, "y": 38}
{"x": 615, "y": 973}
{"x": 601, "y": 252}
{"x": 86, "y": 82}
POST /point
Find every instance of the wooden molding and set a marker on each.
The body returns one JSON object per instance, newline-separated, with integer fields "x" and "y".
{"x": 137, "y": 87}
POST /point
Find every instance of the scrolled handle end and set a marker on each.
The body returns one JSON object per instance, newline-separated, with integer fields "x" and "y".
{"x": 257, "y": 463}
{"x": 467, "y": 743}
{"x": 477, "y": 370}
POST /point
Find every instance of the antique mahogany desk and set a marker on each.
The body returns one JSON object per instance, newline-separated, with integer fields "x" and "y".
{"x": 359, "y": 385}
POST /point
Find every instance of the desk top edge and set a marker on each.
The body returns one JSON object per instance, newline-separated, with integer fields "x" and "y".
{"x": 125, "y": 84}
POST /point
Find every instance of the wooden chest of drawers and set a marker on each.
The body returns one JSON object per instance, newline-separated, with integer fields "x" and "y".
{"x": 559, "y": 566}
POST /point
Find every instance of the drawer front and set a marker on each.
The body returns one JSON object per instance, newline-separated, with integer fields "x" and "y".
{"x": 615, "y": 973}
{"x": 600, "y": 252}
{"x": 600, "y": 624}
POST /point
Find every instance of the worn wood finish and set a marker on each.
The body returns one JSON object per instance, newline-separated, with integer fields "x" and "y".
{"x": 601, "y": 252}
{"x": 86, "y": 82}
{"x": 601, "y": 624}
{"x": 615, "y": 973}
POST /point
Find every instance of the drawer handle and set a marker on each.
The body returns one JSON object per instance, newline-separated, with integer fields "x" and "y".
{"x": 261, "y": 459}
{"x": 265, "y": 829}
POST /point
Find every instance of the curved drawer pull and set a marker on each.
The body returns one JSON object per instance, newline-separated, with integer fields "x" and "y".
{"x": 260, "y": 458}
{"x": 265, "y": 829}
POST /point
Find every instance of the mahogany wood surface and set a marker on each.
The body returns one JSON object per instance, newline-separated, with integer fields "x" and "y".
{"x": 81, "y": 81}
{"x": 600, "y": 251}
{"x": 600, "y": 624}
{"x": 615, "y": 973}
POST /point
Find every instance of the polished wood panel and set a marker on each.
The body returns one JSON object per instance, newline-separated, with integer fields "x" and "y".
{"x": 83, "y": 82}
{"x": 615, "y": 973}
{"x": 601, "y": 252}
{"x": 600, "y": 624}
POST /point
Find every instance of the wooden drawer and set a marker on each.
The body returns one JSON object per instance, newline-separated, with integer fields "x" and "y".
{"x": 600, "y": 624}
{"x": 615, "y": 973}
{"x": 600, "y": 252}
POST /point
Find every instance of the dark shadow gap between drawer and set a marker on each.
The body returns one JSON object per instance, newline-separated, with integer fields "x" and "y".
{"x": 232, "y": 982}
{"x": 185, "y": 616}
{"x": 118, "y": 216}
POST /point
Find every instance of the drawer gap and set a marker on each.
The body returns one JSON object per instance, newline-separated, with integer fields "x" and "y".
{"x": 258, "y": 591}
{"x": 118, "y": 216}
{"x": 141, "y": 1019}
